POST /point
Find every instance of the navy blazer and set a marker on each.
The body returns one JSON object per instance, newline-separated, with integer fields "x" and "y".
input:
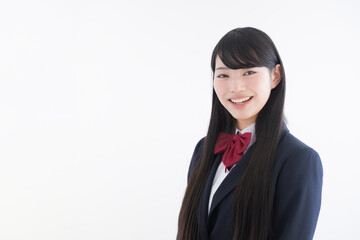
{"x": 297, "y": 186}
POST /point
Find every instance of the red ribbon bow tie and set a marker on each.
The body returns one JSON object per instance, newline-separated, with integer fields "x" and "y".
{"x": 234, "y": 147}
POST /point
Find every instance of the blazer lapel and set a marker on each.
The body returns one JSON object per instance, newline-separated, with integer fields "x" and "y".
{"x": 205, "y": 198}
{"x": 231, "y": 180}
{"x": 228, "y": 184}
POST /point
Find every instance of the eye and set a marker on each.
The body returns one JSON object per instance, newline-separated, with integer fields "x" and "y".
{"x": 222, "y": 76}
{"x": 249, "y": 73}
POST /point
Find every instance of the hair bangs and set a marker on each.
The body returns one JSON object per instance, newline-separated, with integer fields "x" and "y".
{"x": 245, "y": 49}
{"x": 237, "y": 57}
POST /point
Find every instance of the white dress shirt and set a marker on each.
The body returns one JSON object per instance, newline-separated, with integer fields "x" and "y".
{"x": 220, "y": 173}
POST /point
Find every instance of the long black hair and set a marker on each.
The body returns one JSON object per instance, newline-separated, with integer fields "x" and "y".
{"x": 241, "y": 48}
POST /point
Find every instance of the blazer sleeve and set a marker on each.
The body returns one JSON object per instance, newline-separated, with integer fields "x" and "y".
{"x": 195, "y": 157}
{"x": 298, "y": 196}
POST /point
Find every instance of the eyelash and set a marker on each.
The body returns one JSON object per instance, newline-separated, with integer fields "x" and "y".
{"x": 220, "y": 76}
{"x": 252, "y": 72}
{"x": 245, "y": 74}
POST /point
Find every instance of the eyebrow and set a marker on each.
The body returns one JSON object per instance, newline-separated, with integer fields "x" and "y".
{"x": 220, "y": 68}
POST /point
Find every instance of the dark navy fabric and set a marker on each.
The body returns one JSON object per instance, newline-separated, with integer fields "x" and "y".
{"x": 297, "y": 186}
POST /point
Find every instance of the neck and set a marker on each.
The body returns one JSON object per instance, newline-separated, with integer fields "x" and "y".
{"x": 242, "y": 124}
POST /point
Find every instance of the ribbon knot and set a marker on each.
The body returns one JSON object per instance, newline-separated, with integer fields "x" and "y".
{"x": 233, "y": 146}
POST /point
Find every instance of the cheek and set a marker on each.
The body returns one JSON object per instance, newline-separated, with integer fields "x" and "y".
{"x": 219, "y": 88}
{"x": 263, "y": 93}
{"x": 256, "y": 84}
{"x": 261, "y": 87}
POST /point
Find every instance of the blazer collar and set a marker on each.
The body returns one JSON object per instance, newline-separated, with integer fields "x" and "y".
{"x": 225, "y": 187}
{"x": 231, "y": 180}
{"x": 228, "y": 184}
{"x": 205, "y": 198}
{"x": 234, "y": 176}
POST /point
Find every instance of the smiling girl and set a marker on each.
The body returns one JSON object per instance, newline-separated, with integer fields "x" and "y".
{"x": 249, "y": 177}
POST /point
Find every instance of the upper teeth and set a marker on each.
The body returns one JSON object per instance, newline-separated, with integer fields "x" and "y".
{"x": 240, "y": 99}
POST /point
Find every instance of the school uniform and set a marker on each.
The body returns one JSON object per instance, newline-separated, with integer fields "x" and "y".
{"x": 296, "y": 191}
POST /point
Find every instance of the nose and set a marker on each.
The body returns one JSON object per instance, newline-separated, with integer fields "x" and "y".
{"x": 237, "y": 84}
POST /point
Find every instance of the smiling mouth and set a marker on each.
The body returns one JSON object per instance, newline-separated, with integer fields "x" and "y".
{"x": 241, "y": 100}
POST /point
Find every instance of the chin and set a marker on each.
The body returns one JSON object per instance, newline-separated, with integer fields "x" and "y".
{"x": 241, "y": 116}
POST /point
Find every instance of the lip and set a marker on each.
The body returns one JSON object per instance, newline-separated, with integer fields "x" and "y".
{"x": 239, "y": 97}
{"x": 240, "y": 105}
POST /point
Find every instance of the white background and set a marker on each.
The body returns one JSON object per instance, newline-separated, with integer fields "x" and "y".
{"x": 103, "y": 102}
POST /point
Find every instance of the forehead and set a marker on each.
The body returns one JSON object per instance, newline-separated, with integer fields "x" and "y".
{"x": 218, "y": 62}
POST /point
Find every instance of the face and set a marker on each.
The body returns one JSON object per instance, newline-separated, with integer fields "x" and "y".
{"x": 244, "y": 92}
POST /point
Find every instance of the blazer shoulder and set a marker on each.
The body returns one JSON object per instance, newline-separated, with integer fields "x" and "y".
{"x": 291, "y": 147}
{"x": 294, "y": 156}
{"x": 196, "y": 156}
{"x": 297, "y": 189}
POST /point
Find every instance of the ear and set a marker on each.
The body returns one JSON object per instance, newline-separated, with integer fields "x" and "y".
{"x": 275, "y": 76}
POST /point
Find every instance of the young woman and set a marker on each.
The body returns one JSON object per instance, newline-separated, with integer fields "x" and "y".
{"x": 250, "y": 178}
